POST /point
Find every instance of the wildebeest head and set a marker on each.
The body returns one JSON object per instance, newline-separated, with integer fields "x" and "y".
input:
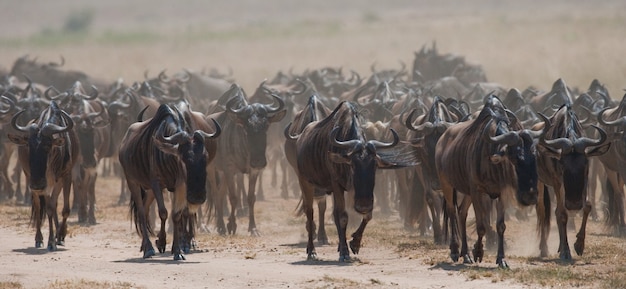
{"x": 86, "y": 125}
{"x": 255, "y": 119}
{"x": 515, "y": 145}
{"x": 572, "y": 150}
{"x": 189, "y": 148}
{"x": 42, "y": 137}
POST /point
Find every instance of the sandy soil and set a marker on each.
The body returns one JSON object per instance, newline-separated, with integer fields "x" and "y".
{"x": 518, "y": 44}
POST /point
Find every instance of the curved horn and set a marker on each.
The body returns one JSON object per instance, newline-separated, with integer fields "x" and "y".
{"x": 10, "y": 102}
{"x": 92, "y": 96}
{"x": 618, "y": 122}
{"x": 218, "y": 131}
{"x": 582, "y": 143}
{"x": 57, "y": 96}
{"x": 48, "y": 129}
{"x": 303, "y": 85}
{"x": 546, "y": 126}
{"x": 174, "y": 139}
{"x": 341, "y": 144}
{"x": 17, "y": 126}
{"x": 231, "y": 102}
{"x": 288, "y": 135}
{"x": 187, "y": 77}
{"x": 163, "y": 78}
{"x": 379, "y": 144}
{"x": 140, "y": 115}
{"x": 425, "y": 128}
{"x": 281, "y": 104}
{"x": 509, "y": 138}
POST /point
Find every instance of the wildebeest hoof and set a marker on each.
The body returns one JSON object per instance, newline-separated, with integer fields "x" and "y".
{"x": 52, "y": 247}
{"x": 38, "y": 244}
{"x": 255, "y": 233}
{"x": 312, "y": 257}
{"x": 344, "y": 258}
{"x": 467, "y": 259}
{"x": 179, "y": 257}
{"x": 148, "y": 253}
{"x": 454, "y": 257}
{"x": 323, "y": 240}
{"x": 565, "y": 255}
{"x": 232, "y": 228}
{"x": 92, "y": 221}
{"x": 579, "y": 246}
{"x": 355, "y": 246}
{"x": 61, "y": 243}
{"x": 160, "y": 244}
{"x": 502, "y": 264}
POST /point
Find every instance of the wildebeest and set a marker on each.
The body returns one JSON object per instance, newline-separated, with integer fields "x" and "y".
{"x": 333, "y": 155}
{"x": 491, "y": 154}
{"x": 563, "y": 164}
{"x": 613, "y": 120}
{"x": 166, "y": 152}
{"x": 47, "y": 151}
{"x": 314, "y": 110}
{"x": 242, "y": 150}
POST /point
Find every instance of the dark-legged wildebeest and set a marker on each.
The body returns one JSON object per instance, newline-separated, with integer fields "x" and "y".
{"x": 563, "y": 164}
{"x": 333, "y": 155}
{"x": 423, "y": 137}
{"x": 314, "y": 110}
{"x": 491, "y": 154}
{"x": 242, "y": 150}
{"x": 165, "y": 153}
{"x": 47, "y": 151}
{"x": 613, "y": 120}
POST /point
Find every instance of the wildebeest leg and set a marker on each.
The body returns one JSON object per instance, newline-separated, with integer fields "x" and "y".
{"x": 341, "y": 222}
{"x": 91, "y": 198}
{"x": 579, "y": 246}
{"x": 479, "y": 213}
{"x": 322, "y": 238}
{"x": 52, "y": 219}
{"x": 233, "y": 197}
{"x": 139, "y": 213}
{"x": 595, "y": 169}
{"x": 80, "y": 196}
{"x": 261, "y": 192}
{"x": 307, "y": 208}
{"x": 242, "y": 204}
{"x": 448, "y": 193}
{"x": 177, "y": 219}
{"x": 561, "y": 221}
{"x": 355, "y": 243}
{"x": 463, "y": 210}
{"x": 433, "y": 199}
{"x": 158, "y": 196}
{"x": 219, "y": 203}
{"x": 17, "y": 176}
{"x": 381, "y": 193}
{"x": 403, "y": 197}
{"x": 284, "y": 191}
{"x": 615, "y": 196}
{"x": 543, "y": 209}
{"x": 66, "y": 185}
{"x": 500, "y": 228}
{"x": 38, "y": 210}
{"x": 252, "y": 178}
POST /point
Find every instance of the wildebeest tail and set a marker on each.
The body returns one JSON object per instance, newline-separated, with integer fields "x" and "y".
{"x": 42, "y": 210}
{"x": 135, "y": 215}
{"x": 544, "y": 217}
{"x": 613, "y": 207}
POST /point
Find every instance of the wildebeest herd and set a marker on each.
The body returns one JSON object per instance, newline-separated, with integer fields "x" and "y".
{"x": 452, "y": 138}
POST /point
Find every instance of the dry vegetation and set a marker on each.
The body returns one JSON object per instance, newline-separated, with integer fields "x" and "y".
{"x": 517, "y": 44}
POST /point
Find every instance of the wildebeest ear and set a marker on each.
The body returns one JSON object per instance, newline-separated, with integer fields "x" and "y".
{"x": 339, "y": 158}
{"x": 278, "y": 116}
{"x": 549, "y": 152}
{"x": 496, "y": 158}
{"x": 58, "y": 142}
{"x": 166, "y": 147}
{"x": 18, "y": 139}
{"x": 597, "y": 151}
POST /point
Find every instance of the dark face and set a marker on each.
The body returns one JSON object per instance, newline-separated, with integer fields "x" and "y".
{"x": 194, "y": 157}
{"x": 575, "y": 168}
{"x": 363, "y": 161}
{"x": 523, "y": 157}
{"x": 256, "y": 124}
{"x": 85, "y": 133}
{"x": 39, "y": 147}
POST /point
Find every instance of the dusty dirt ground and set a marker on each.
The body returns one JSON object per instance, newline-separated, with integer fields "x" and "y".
{"x": 518, "y": 44}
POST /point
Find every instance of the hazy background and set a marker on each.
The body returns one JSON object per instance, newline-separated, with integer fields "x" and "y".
{"x": 519, "y": 43}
